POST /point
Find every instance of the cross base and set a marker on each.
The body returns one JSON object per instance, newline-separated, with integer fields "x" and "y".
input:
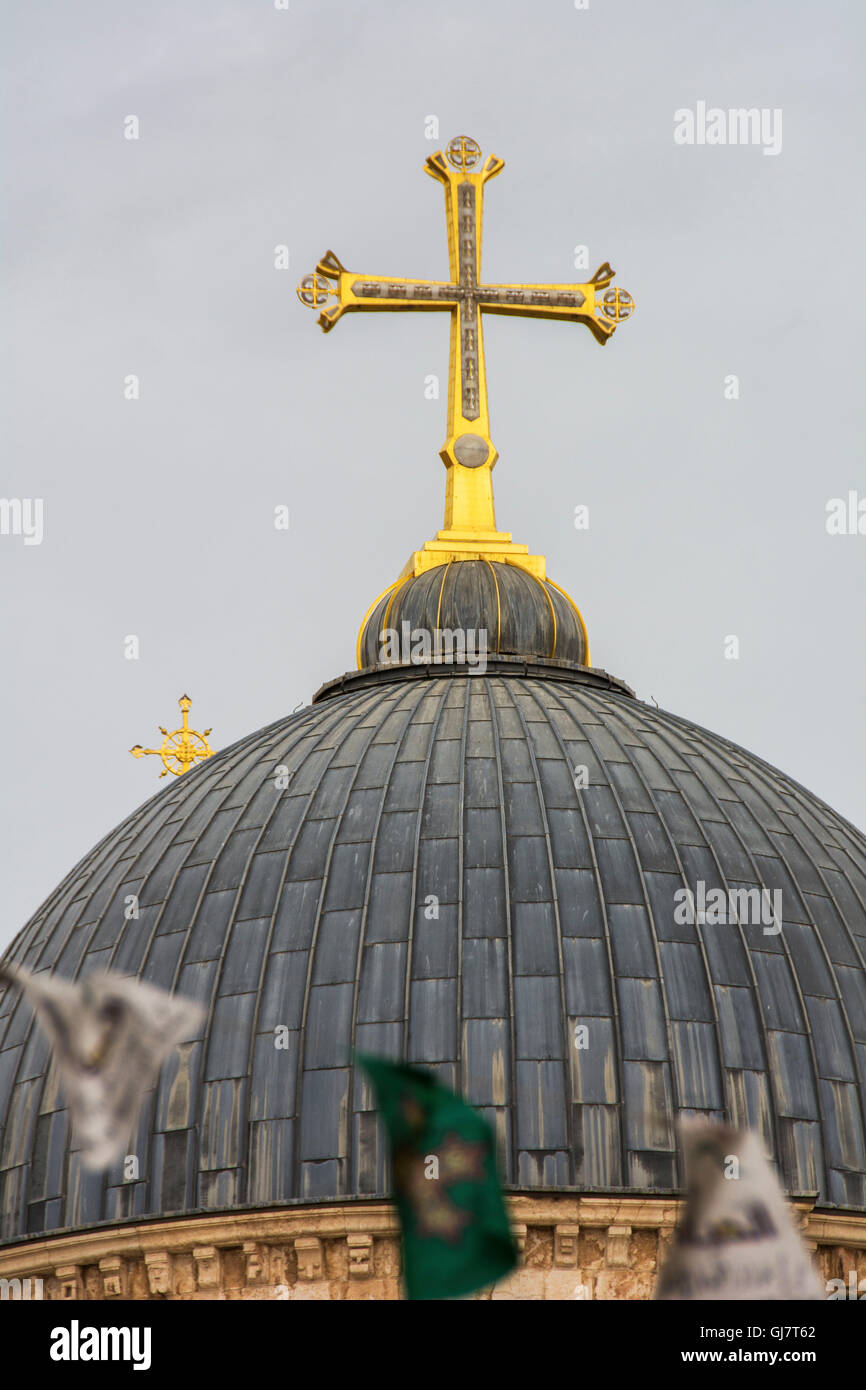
{"x": 473, "y": 545}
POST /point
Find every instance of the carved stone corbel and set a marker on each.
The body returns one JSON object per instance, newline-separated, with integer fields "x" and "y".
{"x": 618, "y": 1239}
{"x": 70, "y": 1280}
{"x": 207, "y": 1264}
{"x": 311, "y": 1259}
{"x": 112, "y": 1272}
{"x": 565, "y": 1245}
{"x": 360, "y": 1256}
{"x": 159, "y": 1272}
{"x": 256, "y": 1255}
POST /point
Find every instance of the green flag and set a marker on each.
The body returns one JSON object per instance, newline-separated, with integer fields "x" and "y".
{"x": 456, "y": 1236}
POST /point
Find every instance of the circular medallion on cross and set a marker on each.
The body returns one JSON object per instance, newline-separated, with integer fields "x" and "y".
{"x": 463, "y": 152}
{"x": 314, "y": 290}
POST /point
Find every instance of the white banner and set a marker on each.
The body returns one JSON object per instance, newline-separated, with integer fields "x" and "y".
{"x": 109, "y": 1036}
{"x": 737, "y": 1238}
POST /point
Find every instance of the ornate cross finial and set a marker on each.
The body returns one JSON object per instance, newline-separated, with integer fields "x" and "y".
{"x": 468, "y": 453}
{"x": 183, "y": 747}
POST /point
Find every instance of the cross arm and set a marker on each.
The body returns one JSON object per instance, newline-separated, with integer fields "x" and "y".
{"x": 352, "y": 291}
{"x": 576, "y": 303}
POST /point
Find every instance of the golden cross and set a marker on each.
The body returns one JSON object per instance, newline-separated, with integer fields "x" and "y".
{"x": 183, "y": 747}
{"x": 468, "y": 453}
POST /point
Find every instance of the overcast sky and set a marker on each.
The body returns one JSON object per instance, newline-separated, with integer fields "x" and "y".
{"x": 155, "y": 257}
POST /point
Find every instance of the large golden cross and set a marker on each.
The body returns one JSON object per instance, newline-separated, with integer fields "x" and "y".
{"x": 182, "y": 748}
{"x": 468, "y": 452}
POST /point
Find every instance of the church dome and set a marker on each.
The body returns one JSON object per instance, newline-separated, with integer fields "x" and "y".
{"x": 518, "y": 613}
{"x": 464, "y": 870}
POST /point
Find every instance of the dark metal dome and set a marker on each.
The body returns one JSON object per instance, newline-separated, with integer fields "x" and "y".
{"x": 293, "y": 882}
{"x": 520, "y": 615}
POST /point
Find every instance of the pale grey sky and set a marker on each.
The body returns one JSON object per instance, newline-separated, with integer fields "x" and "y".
{"x": 156, "y": 257}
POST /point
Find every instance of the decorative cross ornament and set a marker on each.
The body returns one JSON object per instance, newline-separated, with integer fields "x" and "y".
{"x": 183, "y": 747}
{"x": 468, "y": 453}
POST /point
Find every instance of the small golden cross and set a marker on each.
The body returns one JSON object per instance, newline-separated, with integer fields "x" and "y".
{"x": 183, "y": 747}
{"x": 468, "y": 453}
